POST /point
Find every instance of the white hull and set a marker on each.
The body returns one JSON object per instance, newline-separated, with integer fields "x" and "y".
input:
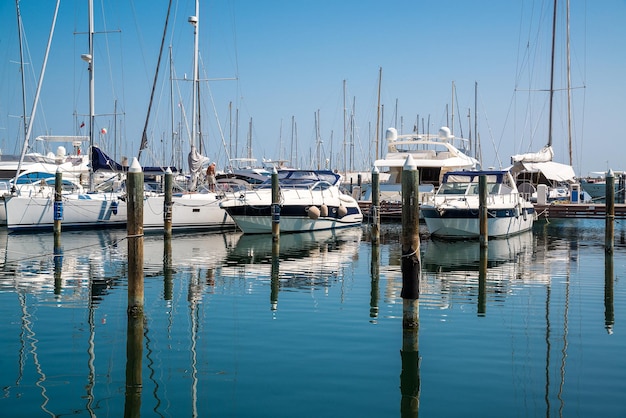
{"x": 455, "y": 209}
{"x": 470, "y": 227}
{"x": 189, "y": 211}
{"x": 301, "y": 209}
{"x": 79, "y": 211}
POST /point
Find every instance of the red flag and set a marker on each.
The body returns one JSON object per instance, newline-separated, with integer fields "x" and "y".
{"x": 82, "y": 124}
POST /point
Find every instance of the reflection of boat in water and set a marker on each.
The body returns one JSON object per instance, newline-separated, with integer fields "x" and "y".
{"x": 304, "y": 259}
{"x": 446, "y": 255}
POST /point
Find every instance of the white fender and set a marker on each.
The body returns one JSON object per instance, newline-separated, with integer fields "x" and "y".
{"x": 323, "y": 211}
{"x": 342, "y": 211}
{"x": 314, "y": 212}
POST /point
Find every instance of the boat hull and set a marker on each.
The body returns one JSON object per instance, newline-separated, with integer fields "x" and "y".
{"x": 96, "y": 210}
{"x": 197, "y": 211}
{"x": 298, "y": 211}
{"x": 465, "y": 223}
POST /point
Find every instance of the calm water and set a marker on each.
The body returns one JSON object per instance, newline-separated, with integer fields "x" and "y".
{"x": 231, "y": 330}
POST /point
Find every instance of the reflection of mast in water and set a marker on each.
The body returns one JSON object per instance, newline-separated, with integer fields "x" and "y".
{"x": 30, "y": 335}
{"x": 194, "y": 297}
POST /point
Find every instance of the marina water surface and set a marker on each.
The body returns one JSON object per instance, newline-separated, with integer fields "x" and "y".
{"x": 235, "y": 328}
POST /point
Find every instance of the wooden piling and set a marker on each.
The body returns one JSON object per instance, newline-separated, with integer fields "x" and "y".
{"x": 411, "y": 261}
{"x": 610, "y": 213}
{"x": 482, "y": 210}
{"x": 375, "y": 209}
{"x": 275, "y": 206}
{"x": 168, "y": 203}
{"x": 134, "y": 230}
{"x": 58, "y": 204}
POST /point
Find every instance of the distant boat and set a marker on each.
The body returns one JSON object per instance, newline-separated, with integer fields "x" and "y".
{"x": 433, "y": 155}
{"x": 454, "y": 210}
{"x": 310, "y": 200}
{"x": 595, "y": 186}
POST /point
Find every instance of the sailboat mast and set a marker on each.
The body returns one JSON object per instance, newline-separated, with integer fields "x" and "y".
{"x": 92, "y": 102}
{"x": 552, "y": 76}
{"x": 380, "y": 77}
{"x": 19, "y": 37}
{"x": 569, "y": 92}
{"x": 194, "y": 101}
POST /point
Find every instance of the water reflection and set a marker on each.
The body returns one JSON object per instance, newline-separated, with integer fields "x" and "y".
{"x": 67, "y": 327}
{"x": 307, "y": 260}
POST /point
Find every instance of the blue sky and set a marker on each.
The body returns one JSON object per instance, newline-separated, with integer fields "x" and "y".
{"x": 292, "y": 59}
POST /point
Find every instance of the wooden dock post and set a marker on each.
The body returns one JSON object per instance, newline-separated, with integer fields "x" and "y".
{"x": 375, "y": 209}
{"x": 168, "y": 203}
{"x": 482, "y": 211}
{"x": 134, "y": 230}
{"x": 411, "y": 261}
{"x": 58, "y": 204}
{"x": 275, "y": 205}
{"x": 135, "y": 329}
{"x": 609, "y": 237}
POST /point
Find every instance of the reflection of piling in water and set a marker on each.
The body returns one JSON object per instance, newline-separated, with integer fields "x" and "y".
{"x": 134, "y": 353}
{"x": 411, "y": 264}
{"x": 410, "y": 375}
{"x": 375, "y": 209}
{"x": 168, "y": 284}
{"x": 375, "y": 272}
{"x": 609, "y": 313}
{"x": 610, "y": 212}
{"x": 482, "y": 280}
{"x": 58, "y": 265}
{"x": 275, "y": 275}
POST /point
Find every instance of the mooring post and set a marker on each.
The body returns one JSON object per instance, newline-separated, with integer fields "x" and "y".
{"x": 411, "y": 262}
{"x": 482, "y": 210}
{"x": 58, "y": 204}
{"x": 610, "y": 212}
{"x": 275, "y": 205}
{"x": 134, "y": 230}
{"x": 168, "y": 203}
{"x": 375, "y": 209}
{"x": 134, "y": 335}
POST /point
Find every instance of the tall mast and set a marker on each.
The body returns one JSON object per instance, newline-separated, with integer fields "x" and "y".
{"x": 552, "y": 76}
{"x": 569, "y": 92}
{"x": 92, "y": 108}
{"x": 380, "y": 76}
{"x": 194, "y": 101}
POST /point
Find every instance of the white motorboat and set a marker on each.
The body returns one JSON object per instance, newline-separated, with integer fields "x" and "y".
{"x": 433, "y": 156}
{"x": 310, "y": 200}
{"x": 454, "y": 210}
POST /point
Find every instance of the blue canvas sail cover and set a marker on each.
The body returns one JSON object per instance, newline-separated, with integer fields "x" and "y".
{"x": 101, "y": 161}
